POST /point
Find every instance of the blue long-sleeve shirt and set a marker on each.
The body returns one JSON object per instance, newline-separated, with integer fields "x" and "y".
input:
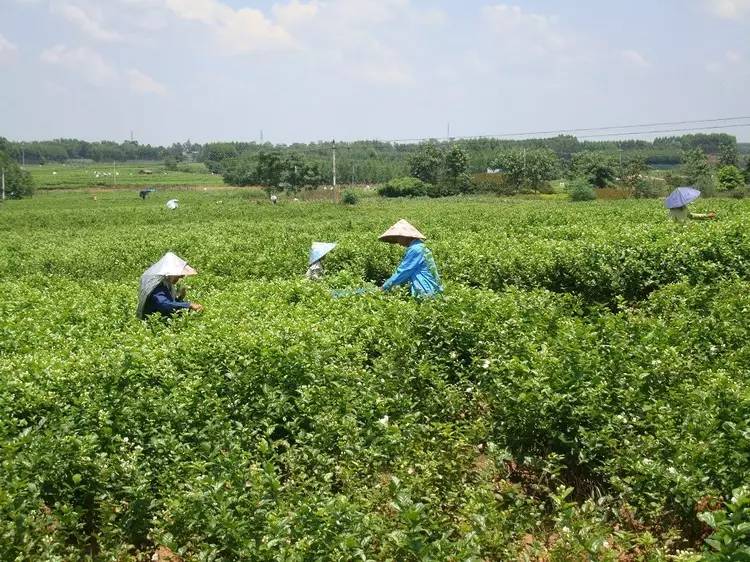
{"x": 418, "y": 269}
{"x": 160, "y": 300}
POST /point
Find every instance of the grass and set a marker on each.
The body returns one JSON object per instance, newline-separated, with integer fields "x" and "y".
{"x": 128, "y": 174}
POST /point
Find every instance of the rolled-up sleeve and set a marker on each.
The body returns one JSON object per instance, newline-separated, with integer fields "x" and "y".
{"x": 406, "y": 269}
{"x": 165, "y": 304}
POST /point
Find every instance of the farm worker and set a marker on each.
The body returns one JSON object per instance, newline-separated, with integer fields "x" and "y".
{"x": 274, "y": 199}
{"x": 677, "y": 203}
{"x": 417, "y": 266}
{"x": 315, "y": 260}
{"x": 158, "y": 291}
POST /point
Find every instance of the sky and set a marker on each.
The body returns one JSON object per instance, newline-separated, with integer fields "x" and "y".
{"x": 309, "y": 70}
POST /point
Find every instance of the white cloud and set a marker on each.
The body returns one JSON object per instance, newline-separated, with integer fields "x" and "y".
{"x": 734, "y": 57}
{"x": 7, "y": 49}
{"x": 520, "y": 33}
{"x": 729, "y": 9}
{"x": 86, "y": 62}
{"x": 635, "y": 58}
{"x": 86, "y": 21}
{"x": 295, "y": 13}
{"x": 242, "y": 31}
{"x": 142, "y": 83}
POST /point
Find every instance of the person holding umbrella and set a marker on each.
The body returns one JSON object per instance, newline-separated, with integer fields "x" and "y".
{"x": 417, "y": 268}
{"x": 158, "y": 292}
{"x": 318, "y": 251}
{"x": 677, "y": 203}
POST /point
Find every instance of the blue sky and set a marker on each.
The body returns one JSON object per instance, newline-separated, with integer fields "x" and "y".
{"x": 353, "y": 69}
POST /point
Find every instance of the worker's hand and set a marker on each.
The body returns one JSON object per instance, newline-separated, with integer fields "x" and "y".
{"x": 711, "y": 215}
{"x": 196, "y": 307}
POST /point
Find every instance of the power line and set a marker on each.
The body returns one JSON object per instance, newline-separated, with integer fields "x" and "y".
{"x": 326, "y": 146}
{"x": 737, "y": 125}
{"x": 587, "y": 129}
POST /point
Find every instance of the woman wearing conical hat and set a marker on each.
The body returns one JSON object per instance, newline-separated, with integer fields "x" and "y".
{"x": 417, "y": 268}
{"x": 318, "y": 251}
{"x": 158, "y": 291}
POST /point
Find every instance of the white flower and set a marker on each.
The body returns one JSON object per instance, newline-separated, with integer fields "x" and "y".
{"x": 384, "y": 421}
{"x": 486, "y": 364}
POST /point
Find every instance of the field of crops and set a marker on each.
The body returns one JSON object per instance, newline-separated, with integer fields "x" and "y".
{"x": 128, "y": 174}
{"x": 580, "y": 392}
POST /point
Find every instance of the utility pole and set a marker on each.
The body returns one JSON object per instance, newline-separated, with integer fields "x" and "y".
{"x": 261, "y": 136}
{"x": 449, "y": 130}
{"x": 3, "y": 182}
{"x": 114, "y": 173}
{"x": 334, "y": 163}
{"x": 23, "y": 156}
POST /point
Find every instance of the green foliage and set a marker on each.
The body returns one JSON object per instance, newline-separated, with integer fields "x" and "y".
{"x": 544, "y": 408}
{"x": 349, "y": 198}
{"x": 426, "y": 163}
{"x": 527, "y": 170}
{"x": 633, "y": 170}
{"x": 695, "y": 165}
{"x": 597, "y": 168}
{"x": 673, "y": 180}
{"x": 170, "y": 163}
{"x": 730, "y": 540}
{"x": 648, "y": 189}
{"x": 18, "y": 182}
{"x": 730, "y": 178}
{"x": 580, "y": 189}
{"x": 404, "y": 187}
{"x": 273, "y": 171}
{"x": 728, "y": 155}
{"x": 491, "y": 183}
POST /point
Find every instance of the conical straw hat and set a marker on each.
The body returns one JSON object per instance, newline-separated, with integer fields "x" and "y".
{"x": 401, "y": 232}
{"x": 318, "y": 250}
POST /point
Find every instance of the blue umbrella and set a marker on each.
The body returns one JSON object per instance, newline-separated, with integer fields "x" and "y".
{"x": 681, "y": 197}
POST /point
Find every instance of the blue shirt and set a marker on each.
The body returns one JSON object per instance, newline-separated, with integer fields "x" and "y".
{"x": 418, "y": 269}
{"x": 160, "y": 300}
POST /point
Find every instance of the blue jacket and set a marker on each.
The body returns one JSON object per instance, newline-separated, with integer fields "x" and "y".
{"x": 418, "y": 269}
{"x": 160, "y": 300}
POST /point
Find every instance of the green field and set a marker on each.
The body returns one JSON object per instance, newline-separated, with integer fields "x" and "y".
{"x": 120, "y": 175}
{"x": 581, "y": 391}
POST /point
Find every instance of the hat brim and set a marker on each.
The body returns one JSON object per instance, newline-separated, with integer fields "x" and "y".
{"x": 399, "y": 239}
{"x": 187, "y": 270}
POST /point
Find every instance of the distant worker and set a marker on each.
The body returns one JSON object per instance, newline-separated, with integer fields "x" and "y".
{"x": 143, "y": 193}
{"x": 274, "y": 199}
{"x": 158, "y": 291}
{"x": 318, "y": 251}
{"x": 417, "y": 268}
{"x": 677, "y": 203}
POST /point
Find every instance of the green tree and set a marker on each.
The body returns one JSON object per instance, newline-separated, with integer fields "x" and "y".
{"x": 18, "y": 182}
{"x": 728, "y": 155}
{"x": 597, "y": 167}
{"x": 426, "y": 163}
{"x": 747, "y": 171}
{"x": 269, "y": 169}
{"x": 454, "y": 176}
{"x": 695, "y": 165}
{"x": 632, "y": 172}
{"x": 579, "y": 189}
{"x": 527, "y": 170}
{"x": 170, "y": 163}
{"x": 218, "y": 152}
{"x": 729, "y": 178}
